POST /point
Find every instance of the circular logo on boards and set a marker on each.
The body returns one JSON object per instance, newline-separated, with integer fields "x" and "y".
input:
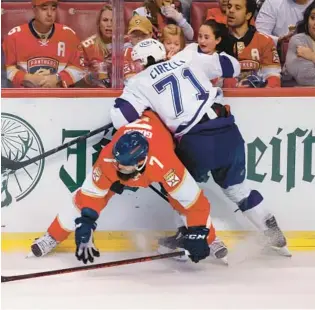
{"x": 19, "y": 142}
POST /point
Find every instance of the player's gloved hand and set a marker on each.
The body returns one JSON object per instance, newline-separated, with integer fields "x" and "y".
{"x": 253, "y": 81}
{"x": 221, "y": 110}
{"x": 84, "y": 228}
{"x": 195, "y": 242}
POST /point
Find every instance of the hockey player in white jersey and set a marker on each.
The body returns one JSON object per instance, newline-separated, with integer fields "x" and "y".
{"x": 208, "y": 140}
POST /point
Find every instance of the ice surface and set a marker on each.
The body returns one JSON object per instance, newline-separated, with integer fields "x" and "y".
{"x": 252, "y": 281}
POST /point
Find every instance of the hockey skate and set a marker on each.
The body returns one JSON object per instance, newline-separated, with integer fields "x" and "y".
{"x": 42, "y": 246}
{"x": 219, "y": 250}
{"x": 173, "y": 243}
{"x": 276, "y": 239}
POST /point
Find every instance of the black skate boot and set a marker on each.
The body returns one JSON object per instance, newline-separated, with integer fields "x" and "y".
{"x": 277, "y": 240}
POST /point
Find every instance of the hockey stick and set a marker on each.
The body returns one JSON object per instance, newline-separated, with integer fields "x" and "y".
{"x": 90, "y": 267}
{"x": 158, "y": 192}
{"x": 14, "y": 165}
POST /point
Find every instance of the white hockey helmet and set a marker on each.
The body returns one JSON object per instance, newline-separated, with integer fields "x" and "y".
{"x": 149, "y": 47}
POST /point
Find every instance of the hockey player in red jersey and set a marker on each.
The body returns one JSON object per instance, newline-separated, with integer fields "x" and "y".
{"x": 135, "y": 158}
{"x": 43, "y": 53}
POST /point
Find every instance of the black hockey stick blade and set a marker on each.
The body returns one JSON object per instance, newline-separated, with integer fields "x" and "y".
{"x": 14, "y": 165}
{"x": 91, "y": 267}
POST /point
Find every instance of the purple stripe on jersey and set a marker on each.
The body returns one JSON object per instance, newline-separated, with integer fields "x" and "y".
{"x": 126, "y": 109}
{"x": 227, "y": 66}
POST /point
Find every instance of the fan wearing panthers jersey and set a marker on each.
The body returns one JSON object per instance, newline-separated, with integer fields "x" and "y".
{"x": 43, "y": 53}
{"x": 97, "y": 50}
{"x": 208, "y": 140}
{"x": 256, "y": 52}
{"x": 135, "y": 158}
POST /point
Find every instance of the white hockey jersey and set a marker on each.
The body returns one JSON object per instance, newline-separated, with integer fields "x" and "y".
{"x": 178, "y": 90}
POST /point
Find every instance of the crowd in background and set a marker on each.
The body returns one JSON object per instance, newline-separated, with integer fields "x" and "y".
{"x": 258, "y": 33}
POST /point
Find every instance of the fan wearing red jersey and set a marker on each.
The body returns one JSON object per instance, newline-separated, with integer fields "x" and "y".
{"x": 43, "y": 53}
{"x": 256, "y": 52}
{"x": 135, "y": 158}
{"x": 97, "y": 50}
{"x": 218, "y": 13}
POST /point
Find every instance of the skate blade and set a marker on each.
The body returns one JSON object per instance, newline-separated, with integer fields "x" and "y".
{"x": 284, "y": 251}
{"x": 30, "y": 255}
{"x": 220, "y": 261}
{"x": 224, "y": 260}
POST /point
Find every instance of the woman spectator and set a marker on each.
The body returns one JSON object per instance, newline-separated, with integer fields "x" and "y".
{"x": 173, "y": 39}
{"x": 97, "y": 50}
{"x": 161, "y": 13}
{"x": 277, "y": 18}
{"x": 300, "y": 59}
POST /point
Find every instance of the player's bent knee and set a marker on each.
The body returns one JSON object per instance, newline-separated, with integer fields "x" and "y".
{"x": 254, "y": 199}
{"x": 237, "y": 192}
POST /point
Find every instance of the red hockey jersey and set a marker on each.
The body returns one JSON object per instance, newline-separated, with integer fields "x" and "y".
{"x": 257, "y": 55}
{"x": 91, "y": 52}
{"x": 98, "y": 60}
{"x": 163, "y": 166}
{"x": 25, "y": 52}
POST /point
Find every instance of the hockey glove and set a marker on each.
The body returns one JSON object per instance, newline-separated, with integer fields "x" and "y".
{"x": 221, "y": 110}
{"x": 119, "y": 188}
{"x": 195, "y": 242}
{"x": 84, "y": 228}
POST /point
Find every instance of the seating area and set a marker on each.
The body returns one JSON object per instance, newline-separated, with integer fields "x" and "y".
{"x": 81, "y": 16}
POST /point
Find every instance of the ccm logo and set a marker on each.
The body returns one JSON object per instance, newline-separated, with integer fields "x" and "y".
{"x": 196, "y": 237}
{"x": 146, "y": 43}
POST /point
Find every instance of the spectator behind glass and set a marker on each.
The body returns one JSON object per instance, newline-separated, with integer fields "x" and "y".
{"x": 139, "y": 29}
{"x": 300, "y": 60}
{"x": 97, "y": 50}
{"x": 173, "y": 39}
{"x": 43, "y": 53}
{"x": 219, "y": 14}
{"x": 210, "y": 40}
{"x": 163, "y": 12}
{"x": 256, "y": 52}
{"x": 278, "y": 18}
{"x": 4, "y": 80}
